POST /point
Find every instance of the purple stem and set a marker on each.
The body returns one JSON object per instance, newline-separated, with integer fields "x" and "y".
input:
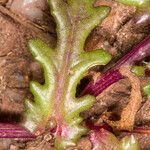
{"x": 14, "y": 131}
{"x": 113, "y": 75}
{"x": 109, "y": 77}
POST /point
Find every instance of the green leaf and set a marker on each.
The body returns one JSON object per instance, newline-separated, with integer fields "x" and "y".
{"x": 64, "y": 67}
{"x": 138, "y": 3}
{"x": 138, "y": 70}
{"x": 129, "y": 143}
{"x": 147, "y": 64}
{"x": 39, "y": 110}
{"x": 147, "y": 90}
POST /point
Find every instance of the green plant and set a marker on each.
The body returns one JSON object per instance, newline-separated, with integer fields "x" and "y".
{"x": 147, "y": 90}
{"x": 64, "y": 67}
{"x": 138, "y": 3}
{"x": 138, "y": 70}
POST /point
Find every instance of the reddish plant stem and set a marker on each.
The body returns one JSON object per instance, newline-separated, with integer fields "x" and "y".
{"x": 14, "y": 131}
{"x": 113, "y": 75}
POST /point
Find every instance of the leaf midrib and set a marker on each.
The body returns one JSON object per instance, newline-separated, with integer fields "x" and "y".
{"x": 64, "y": 71}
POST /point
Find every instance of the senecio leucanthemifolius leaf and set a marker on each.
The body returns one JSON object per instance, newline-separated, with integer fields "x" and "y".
{"x": 64, "y": 67}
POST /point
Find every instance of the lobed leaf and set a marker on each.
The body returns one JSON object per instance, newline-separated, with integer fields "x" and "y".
{"x": 64, "y": 67}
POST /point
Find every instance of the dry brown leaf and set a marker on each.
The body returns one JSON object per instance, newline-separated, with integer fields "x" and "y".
{"x": 128, "y": 114}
